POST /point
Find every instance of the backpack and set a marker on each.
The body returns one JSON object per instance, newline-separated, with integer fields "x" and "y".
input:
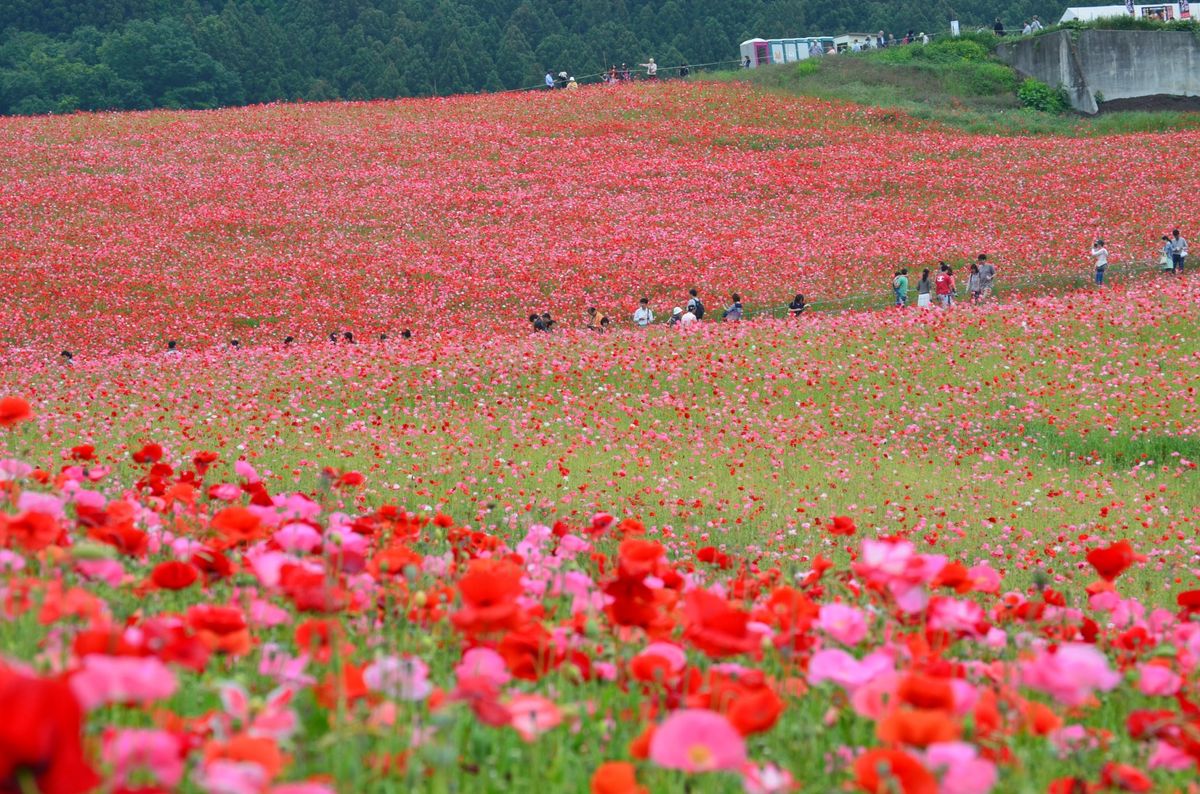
{"x": 698, "y": 308}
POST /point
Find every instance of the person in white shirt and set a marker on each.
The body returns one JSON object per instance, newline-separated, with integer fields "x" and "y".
{"x": 651, "y": 69}
{"x": 643, "y": 315}
{"x": 1100, "y": 253}
{"x": 687, "y": 319}
{"x": 1179, "y": 252}
{"x": 1036, "y": 24}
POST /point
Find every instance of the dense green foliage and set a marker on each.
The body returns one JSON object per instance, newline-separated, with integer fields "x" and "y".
{"x": 1037, "y": 95}
{"x": 66, "y": 55}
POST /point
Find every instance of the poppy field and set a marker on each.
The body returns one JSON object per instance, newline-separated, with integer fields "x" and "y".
{"x": 889, "y": 551}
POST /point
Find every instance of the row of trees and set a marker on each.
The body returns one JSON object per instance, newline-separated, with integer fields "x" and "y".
{"x": 59, "y": 56}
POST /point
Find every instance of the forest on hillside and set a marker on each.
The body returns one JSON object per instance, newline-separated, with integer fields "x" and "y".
{"x": 60, "y": 56}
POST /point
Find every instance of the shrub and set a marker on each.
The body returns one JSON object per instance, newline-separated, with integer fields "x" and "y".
{"x": 952, "y": 51}
{"x": 1036, "y": 95}
{"x": 980, "y": 79}
{"x": 806, "y": 68}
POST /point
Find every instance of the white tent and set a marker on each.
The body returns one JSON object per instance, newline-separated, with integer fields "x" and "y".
{"x": 1086, "y": 13}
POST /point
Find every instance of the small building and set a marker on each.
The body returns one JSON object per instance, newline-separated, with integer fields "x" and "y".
{"x": 1161, "y": 11}
{"x": 853, "y": 41}
{"x": 762, "y": 52}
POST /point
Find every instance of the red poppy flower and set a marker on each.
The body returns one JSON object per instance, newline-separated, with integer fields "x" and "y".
{"x": 174, "y": 575}
{"x": 877, "y": 771}
{"x": 715, "y": 627}
{"x": 83, "y": 452}
{"x": 14, "y": 410}
{"x": 918, "y": 727}
{"x": 489, "y": 592}
{"x": 30, "y": 531}
{"x": 756, "y": 711}
{"x": 842, "y": 525}
{"x": 237, "y": 525}
{"x": 1124, "y": 777}
{"x": 149, "y": 453}
{"x": 1112, "y": 561}
{"x": 1149, "y": 723}
{"x": 222, "y": 629}
{"x": 40, "y": 736}
{"x": 616, "y": 777}
{"x": 926, "y": 692}
{"x": 637, "y": 558}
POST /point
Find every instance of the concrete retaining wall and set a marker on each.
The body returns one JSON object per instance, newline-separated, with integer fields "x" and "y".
{"x": 1117, "y": 64}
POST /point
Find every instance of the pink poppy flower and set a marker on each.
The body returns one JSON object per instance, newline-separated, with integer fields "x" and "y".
{"x": 697, "y": 740}
{"x": 401, "y": 678}
{"x": 483, "y": 663}
{"x": 846, "y": 624}
{"x": 102, "y": 680}
{"x": 833, "y": 664}
{"x": 1070, "y": 674}
{"x": 1157, "y": 679}
{"x": 533, "y": 715}
{"x": 133, "y": 750}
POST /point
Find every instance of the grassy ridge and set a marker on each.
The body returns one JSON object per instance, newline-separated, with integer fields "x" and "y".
{"x": 956, "y": 82}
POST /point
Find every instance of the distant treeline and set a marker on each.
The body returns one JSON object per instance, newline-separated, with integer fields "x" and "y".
{"x": 58, "y": 56}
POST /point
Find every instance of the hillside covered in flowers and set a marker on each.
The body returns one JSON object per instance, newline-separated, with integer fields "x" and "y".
{"x": 926, "y": 551}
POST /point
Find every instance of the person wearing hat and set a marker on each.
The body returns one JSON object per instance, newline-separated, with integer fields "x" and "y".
{"x": 571, "y": 84}
{"x": 676, "y": 316}
{"x": 651, "y": 69}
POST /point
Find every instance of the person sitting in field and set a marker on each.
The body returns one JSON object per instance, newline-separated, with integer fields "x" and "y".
{"x": 676, "y": 316}
{"x": 535, "y": 320}
{"x": 733, "y": 312}
{"x": 797, "y": 307}
{"x": 406, "y": 334}
{"x": 349, "y": 337}
{"x": 333, "y": 337}
{"x": 287, "y": 341}
{"x": 596, "y": 321}
{"x": 67, "y": 358}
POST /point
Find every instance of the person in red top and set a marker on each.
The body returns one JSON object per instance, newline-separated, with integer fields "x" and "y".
{"x": 943, "y": 285}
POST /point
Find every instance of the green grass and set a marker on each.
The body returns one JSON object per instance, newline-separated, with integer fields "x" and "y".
{"x": 954, "y": 82}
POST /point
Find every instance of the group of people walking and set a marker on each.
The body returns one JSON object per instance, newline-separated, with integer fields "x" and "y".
{"x": 938, "y": 285}
{"x": 942, "y": 285}
{"x": 1172, "y": 259}
{"x": 613, "y": 75}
